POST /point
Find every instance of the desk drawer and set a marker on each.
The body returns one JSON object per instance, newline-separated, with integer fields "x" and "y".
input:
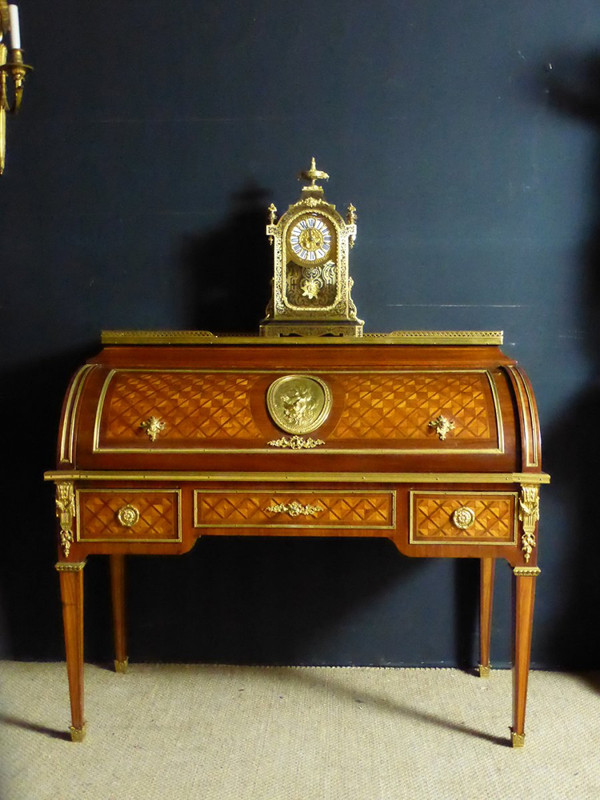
{"x": 288, "y": 509}
{"x": 463, "y": 518}
{"x": 128, "y": 515}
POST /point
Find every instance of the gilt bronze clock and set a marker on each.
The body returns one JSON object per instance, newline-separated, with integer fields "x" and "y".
{"x": 311, "y": 282}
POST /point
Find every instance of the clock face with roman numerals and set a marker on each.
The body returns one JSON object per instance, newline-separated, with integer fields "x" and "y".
{"x": 310, "y": 240}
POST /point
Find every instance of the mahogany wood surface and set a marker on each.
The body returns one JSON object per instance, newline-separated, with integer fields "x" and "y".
{"x": 71, "y": 589}
{"x": 524, "y": 591}
{"x": 488, "y": 566}
{"x": 117, "y": 586}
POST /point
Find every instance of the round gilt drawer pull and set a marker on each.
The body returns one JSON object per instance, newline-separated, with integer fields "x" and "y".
{"x": 463, "y": 517}
{"x": 128, "y": 516}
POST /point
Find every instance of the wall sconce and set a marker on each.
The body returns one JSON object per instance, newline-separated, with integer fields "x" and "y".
{"x": 12, "y": 69}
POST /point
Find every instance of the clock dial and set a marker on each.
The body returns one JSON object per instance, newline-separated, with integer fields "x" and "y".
{"x": 310, "y": 239}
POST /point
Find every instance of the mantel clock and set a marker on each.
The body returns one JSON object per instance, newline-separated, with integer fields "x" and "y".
{"x": 311, "y": 282}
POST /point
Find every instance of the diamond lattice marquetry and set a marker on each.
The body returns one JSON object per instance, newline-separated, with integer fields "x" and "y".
{"x": 493, "y": 518}
{"x": 369, "y": 510}
{"x": 193, "y": 406}
{"x": 401, "y": 406}
{"x": 158, "y": 518}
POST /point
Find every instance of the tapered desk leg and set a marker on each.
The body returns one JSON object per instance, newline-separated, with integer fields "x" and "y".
{"x": 71, "y": 590}
{"x": 487, "y": 567}
{"x": 117, "y": 587}
{"x": 524, "y": 592}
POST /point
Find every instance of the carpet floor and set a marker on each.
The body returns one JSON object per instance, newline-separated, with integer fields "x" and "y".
{"x": 296, "y": 733}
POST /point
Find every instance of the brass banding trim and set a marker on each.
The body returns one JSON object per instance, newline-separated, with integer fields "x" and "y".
{"x": 497, "y": 409}
{"x": 164, "y": 337}
{"x": 527, "y": 404}
{"x": 300, "y": 477}
{"x": 421, "y": 451}
{"x": 100, "y": 408}
{"x": 67, "y": 438}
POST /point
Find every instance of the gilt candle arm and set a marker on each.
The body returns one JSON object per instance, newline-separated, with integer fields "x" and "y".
{"x": 13, "y": 71}
{"x": 17, "y": 69}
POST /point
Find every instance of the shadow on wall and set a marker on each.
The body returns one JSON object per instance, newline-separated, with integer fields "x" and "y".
{"x": 242, "y": 601}
{"x": 228, "y": 270}
{"x": 572, "y": 447}
{"x": 272, "y": 600}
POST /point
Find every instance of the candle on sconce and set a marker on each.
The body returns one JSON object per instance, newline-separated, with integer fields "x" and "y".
{"x": 12, "y": 70}
{"x": 15, "y": 31}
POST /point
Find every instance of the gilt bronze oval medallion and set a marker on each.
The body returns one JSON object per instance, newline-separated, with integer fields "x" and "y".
{"x": 299, "y": 404}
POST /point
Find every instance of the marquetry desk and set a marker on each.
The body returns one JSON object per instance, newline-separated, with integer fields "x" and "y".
{"x": 431, "y": 440}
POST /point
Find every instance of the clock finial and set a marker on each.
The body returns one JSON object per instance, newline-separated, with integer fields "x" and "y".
{"x": 313, "y": 174}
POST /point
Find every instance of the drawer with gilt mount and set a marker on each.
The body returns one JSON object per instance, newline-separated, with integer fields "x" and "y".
{"x": 136, "y": 514}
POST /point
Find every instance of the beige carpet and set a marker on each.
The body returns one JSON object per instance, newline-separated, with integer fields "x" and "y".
{"x": 214, "y": 733}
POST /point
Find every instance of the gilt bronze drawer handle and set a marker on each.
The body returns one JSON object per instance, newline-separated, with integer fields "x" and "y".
{"x": 295, "y": 509}
{"x": 442, "y": 426}
{"x": 128, "y": 516}
{"x": 463, "y": 517}
{"x": 153, "y": 426}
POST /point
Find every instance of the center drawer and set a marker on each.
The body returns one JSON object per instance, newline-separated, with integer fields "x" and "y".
{"x": 264, "y": 508}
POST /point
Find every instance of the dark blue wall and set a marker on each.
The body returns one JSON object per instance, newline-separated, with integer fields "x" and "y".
{"x": 152, "y": 138}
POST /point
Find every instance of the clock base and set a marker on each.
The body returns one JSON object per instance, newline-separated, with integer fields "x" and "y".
{"x": 332, "y": 328}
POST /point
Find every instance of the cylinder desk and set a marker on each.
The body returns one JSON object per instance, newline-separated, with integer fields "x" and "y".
{"x": 429, "y": 439}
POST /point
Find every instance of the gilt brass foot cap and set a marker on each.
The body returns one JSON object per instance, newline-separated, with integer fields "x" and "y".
{"x": 77, "y": 734}
{"x": 484, "y": 670}
{"x": 122, "y": 666}
{"x": 518, "y": 739}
